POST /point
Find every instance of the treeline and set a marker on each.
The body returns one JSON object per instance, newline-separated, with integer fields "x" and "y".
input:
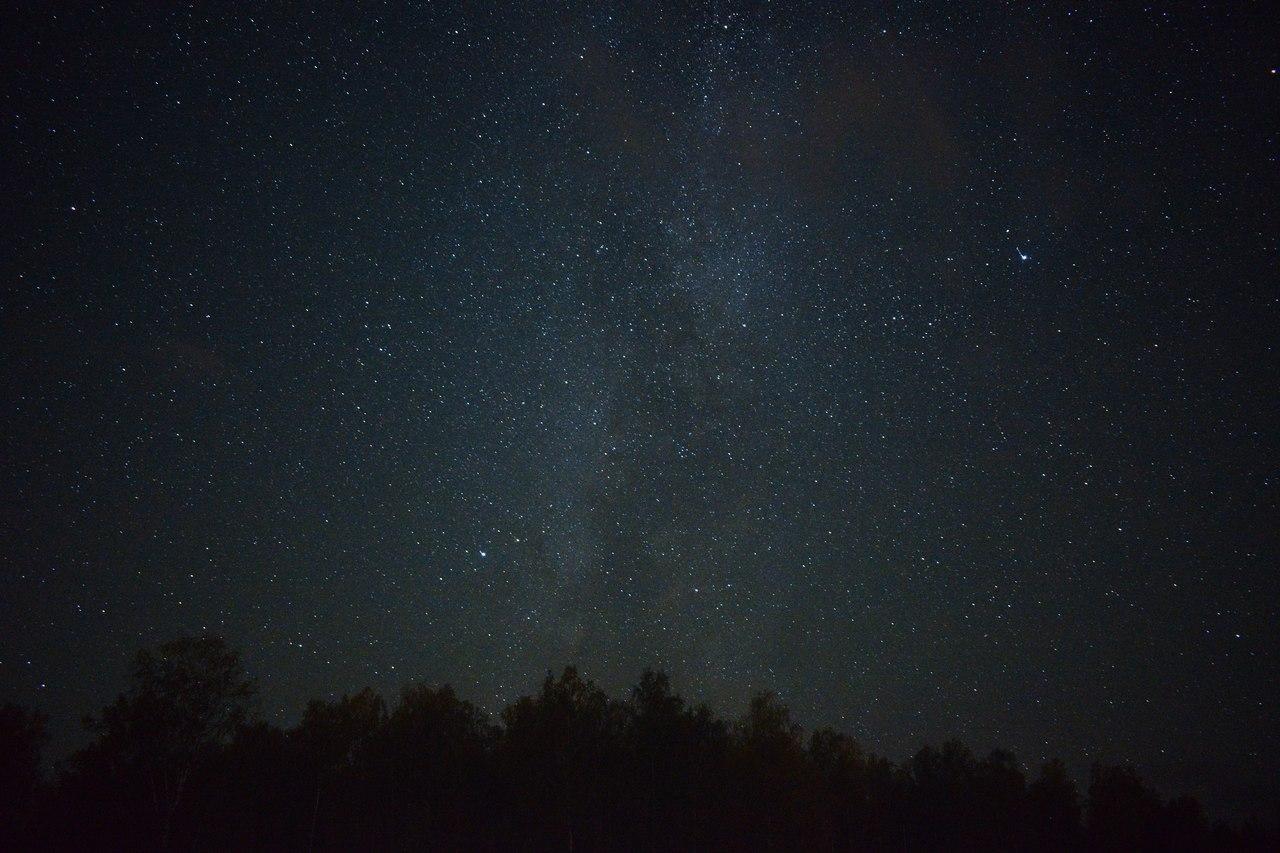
{"x": 179, "y": 762}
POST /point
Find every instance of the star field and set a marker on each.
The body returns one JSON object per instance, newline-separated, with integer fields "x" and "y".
{"x": 915, "y": 362}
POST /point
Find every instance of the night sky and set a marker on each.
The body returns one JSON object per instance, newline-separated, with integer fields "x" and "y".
{"x": 916, "y": 363}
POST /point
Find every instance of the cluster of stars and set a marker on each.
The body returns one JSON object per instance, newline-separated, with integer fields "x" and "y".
{"x": 675, "y": 337}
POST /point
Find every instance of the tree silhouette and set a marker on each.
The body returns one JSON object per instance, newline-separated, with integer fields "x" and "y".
{"x": 178, "y": 762}
{"x": 1053, "y": 810}
{"x": 770, "y": 767}
{"x": 559, "y": 751}
{"x": 1122, "y": 810}
{"x": 678, "y": 756}
{"x": 187, "y": 698}
{"x": 432, "y": 758}
{"x": 335, "y": 738}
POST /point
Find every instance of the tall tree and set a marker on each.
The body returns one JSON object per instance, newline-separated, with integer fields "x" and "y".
{"x": 1053, "y": 809}
{"x": 187, "y": 698}
{"x": 1122, "y": 811}
{"x": 335, "y": 738}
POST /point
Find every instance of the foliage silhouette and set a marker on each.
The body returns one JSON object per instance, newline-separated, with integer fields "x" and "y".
{"x": 179, "y": 762}
{"x": 188, "y": 698}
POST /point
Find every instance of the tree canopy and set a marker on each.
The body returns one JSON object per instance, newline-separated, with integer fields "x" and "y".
{"x": 179, "y": 761}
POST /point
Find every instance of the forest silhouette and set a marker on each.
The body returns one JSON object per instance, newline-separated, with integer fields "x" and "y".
{"x": 179, "y": 762}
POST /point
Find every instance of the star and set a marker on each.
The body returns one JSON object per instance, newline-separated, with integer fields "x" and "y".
{"x": 674, "y": 316}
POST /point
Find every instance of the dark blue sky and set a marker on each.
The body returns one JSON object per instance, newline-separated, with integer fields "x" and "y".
{"x": 915, "y": 362}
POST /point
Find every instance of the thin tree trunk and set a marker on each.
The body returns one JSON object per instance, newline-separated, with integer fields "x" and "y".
{"x": 315, "y": 816}
{"x": 172, "y": 806}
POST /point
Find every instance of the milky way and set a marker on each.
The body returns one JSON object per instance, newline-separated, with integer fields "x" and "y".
{"x": 916, "y": 365}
